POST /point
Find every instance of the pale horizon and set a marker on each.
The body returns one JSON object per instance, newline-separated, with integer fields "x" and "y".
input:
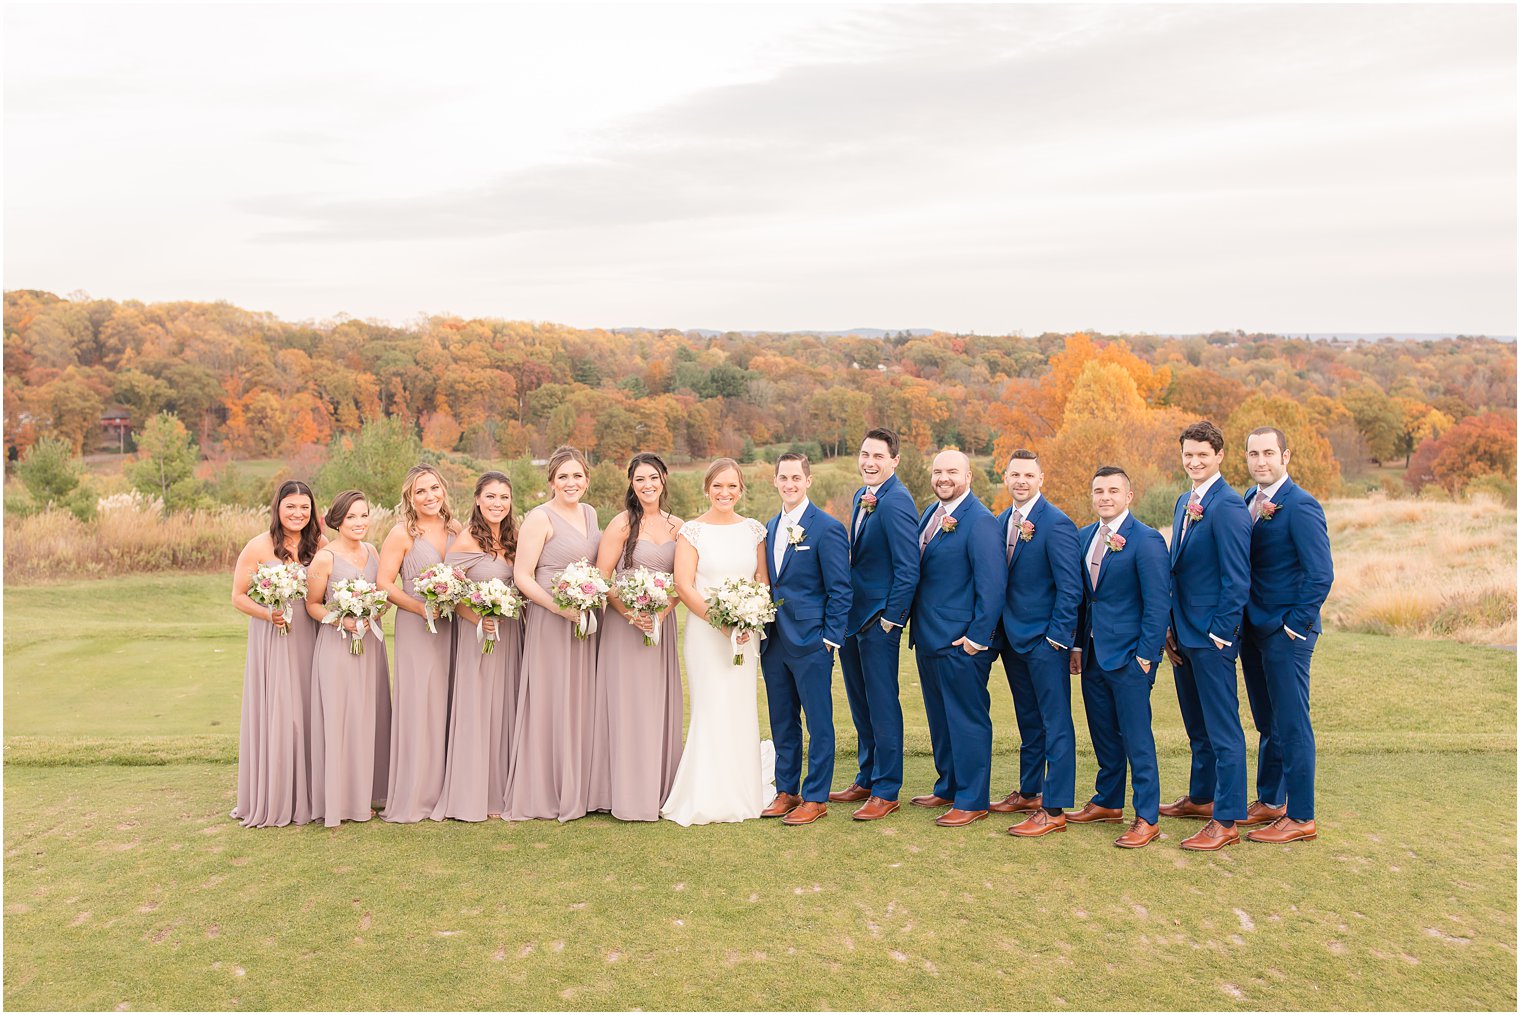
{"x": 999, "y": 169}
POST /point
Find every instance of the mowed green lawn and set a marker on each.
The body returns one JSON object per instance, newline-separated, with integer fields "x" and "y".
{"x": 127, "y": 886}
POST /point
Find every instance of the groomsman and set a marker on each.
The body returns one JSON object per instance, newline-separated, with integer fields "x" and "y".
{"x": 1120, "y": 633}
{"x": 1211, "y": 581}
{"x": 1035, "y": 637}
{"x": 1291, "y": 574}
{"x": 883, "y": 576}
{"x": 962, "y": 576}
{"x": 808, "y": 556}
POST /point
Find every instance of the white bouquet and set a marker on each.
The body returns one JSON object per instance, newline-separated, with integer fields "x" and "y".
{"x": 581, "y": 586}
{"x": 277, "y": 586}
{"x": 492, "y": 598}
{"x": 741, "y": 604}
{"x": 645, "y": 593}
{"x": 440, "y": 588}
{"x": 364, "y": 601}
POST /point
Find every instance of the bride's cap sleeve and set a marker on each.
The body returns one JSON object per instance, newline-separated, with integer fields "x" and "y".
{"x": 757, "y": 530}
{"x": 693, "y": 533}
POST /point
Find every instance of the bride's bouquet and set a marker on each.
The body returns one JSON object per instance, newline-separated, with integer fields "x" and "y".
{"x": 440, "y": 588}
{"x": 492, "y": 598}
{"x": 645, "y": 593}
{"x": 362, "y": 600}
{"x": 581, "y": 586}
{"x": 742, "y": 604}
{"x": 277, "y": 586}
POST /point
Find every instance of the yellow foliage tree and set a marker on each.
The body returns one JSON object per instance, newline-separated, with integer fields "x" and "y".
{"x": 1311, "y": 463}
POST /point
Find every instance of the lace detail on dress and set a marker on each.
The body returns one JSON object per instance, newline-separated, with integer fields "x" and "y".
{"x": 757, "y": 529}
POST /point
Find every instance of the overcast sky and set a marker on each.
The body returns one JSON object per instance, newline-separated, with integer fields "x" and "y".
{"x": 991, "y": 168}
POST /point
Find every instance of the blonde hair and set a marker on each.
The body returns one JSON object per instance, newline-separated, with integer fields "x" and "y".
{"x": 719, "y": 466}
{"x": 565, "y": 453}
{"x": 408, "y": 512}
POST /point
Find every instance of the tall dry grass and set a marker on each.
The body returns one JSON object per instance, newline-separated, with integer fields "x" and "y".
{"x": 1424, "y": 569}
{"x": 136, "y": 539}
{"x": 1414, "y": 568}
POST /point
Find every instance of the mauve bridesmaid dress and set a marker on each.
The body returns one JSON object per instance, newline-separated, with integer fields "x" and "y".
{"x": 636, "y": 745}
{"x": 350, "y": 717}
{"x": 483, "y": 709}
{"x": 550, "y": 773}
{"x": 274, "y": 773}
{"x": 420, "y": 717}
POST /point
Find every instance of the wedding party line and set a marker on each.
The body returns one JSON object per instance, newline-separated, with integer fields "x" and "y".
{"x": 537, "y": 672}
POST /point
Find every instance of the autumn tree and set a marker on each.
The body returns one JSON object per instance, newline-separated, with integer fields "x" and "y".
{"x": 1311, "y": 463}
{"x": 1478, "y": 446}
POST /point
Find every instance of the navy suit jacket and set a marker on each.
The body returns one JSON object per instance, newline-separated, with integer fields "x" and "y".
{"x": 813, "y": 584}
{"x": 1044, "y": 587}
{"x": 1126, "y": 615}
{"x": 884, "y": 557}
{"x": 961, "y": 580}
{"x": 1211, "y": 568}
{"x": 1291, "y": 570}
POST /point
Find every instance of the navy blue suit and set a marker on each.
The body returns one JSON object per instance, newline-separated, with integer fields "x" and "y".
{"x": 1123, "y": 619}
{"x": 1040, "y": 603}
{"x": 1291, "y": 574}
{"x": 960, "y": 595}
{"x": 813, "y": 587}
{"x": 1211, "y": 581}
{"x": 883, "y": 577}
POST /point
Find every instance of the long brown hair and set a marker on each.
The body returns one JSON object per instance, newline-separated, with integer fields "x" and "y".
{"x": 408, "y": 512}
{"x": 481, "y": 529}
{"x": 311, "y": 532}
{"x": 635, "y": 507}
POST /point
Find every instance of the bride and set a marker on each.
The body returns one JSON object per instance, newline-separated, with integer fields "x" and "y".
{"x": 722, "y": 775}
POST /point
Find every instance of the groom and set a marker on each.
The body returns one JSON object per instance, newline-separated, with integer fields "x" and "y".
{"x": 808, "y": 556}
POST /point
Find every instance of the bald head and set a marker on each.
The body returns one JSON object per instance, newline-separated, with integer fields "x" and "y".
{"x": 951, "y": 475}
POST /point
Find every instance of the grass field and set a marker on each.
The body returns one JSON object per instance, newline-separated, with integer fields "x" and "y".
{"x": 126, "y": 886}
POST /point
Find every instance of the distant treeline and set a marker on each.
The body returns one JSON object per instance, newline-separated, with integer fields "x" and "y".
{"x": 247, "y": 384}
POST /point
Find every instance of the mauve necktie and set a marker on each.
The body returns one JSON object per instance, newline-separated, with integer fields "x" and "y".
{"x": 931, "y": 528}
{"x": 1099, "y": 549}
{"x": 1015, "y": 520}
{"x": 1187, "y": 519}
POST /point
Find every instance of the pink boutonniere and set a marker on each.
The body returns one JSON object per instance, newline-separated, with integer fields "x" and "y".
{"x": 1195, "y": 512}
{"x": 1115, "y": 542}
{"x": 1265, "y": 510}
{"x": 948, "y": 525}
{"x": 868, "y": 502}
{"x": 1026, "y": 531}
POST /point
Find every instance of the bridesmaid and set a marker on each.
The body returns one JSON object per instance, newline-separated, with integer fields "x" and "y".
{"x": 351, "y": 694}
{"x": 424, "y": 661}
{"x": 637, "y": 743}
{"x": 274, "y": 776}
{"x": 550, "y": 773}
{"x": 484, "y": 703}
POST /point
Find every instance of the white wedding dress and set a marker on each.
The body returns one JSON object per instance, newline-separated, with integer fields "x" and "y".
{"x": 726, "y": 773}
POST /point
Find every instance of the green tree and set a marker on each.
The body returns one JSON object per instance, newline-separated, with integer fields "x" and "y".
{"x": 165, "y": 462}
{"x": 913, "y": 470}
{"x": 50, "y": 472}
{"x": 374, "y": 460}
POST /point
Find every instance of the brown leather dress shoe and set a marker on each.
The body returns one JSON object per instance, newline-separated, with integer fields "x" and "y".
{"x": 1184, "y": 807}
{"x": 1091, "y": 813}
{"x": 1039, "y": 823}
{"x": 1285, "y": 829}
{"x": 1016, "y": 803}
{"x": 875, "y": 809}
{"x": 782, "y": 805}
{"x": 955, "y": 818}
{"x": 850, "y": 795}
{"x": 1140, "y": 833}
{"x": 930, "y": 801}
{"x": 1261, "y": 814}
{"x": 1211, "y": 836}
{"x": 805, "y": 813}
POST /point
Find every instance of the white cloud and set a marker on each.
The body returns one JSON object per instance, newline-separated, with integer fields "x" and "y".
{"x": 974, "y": 168}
